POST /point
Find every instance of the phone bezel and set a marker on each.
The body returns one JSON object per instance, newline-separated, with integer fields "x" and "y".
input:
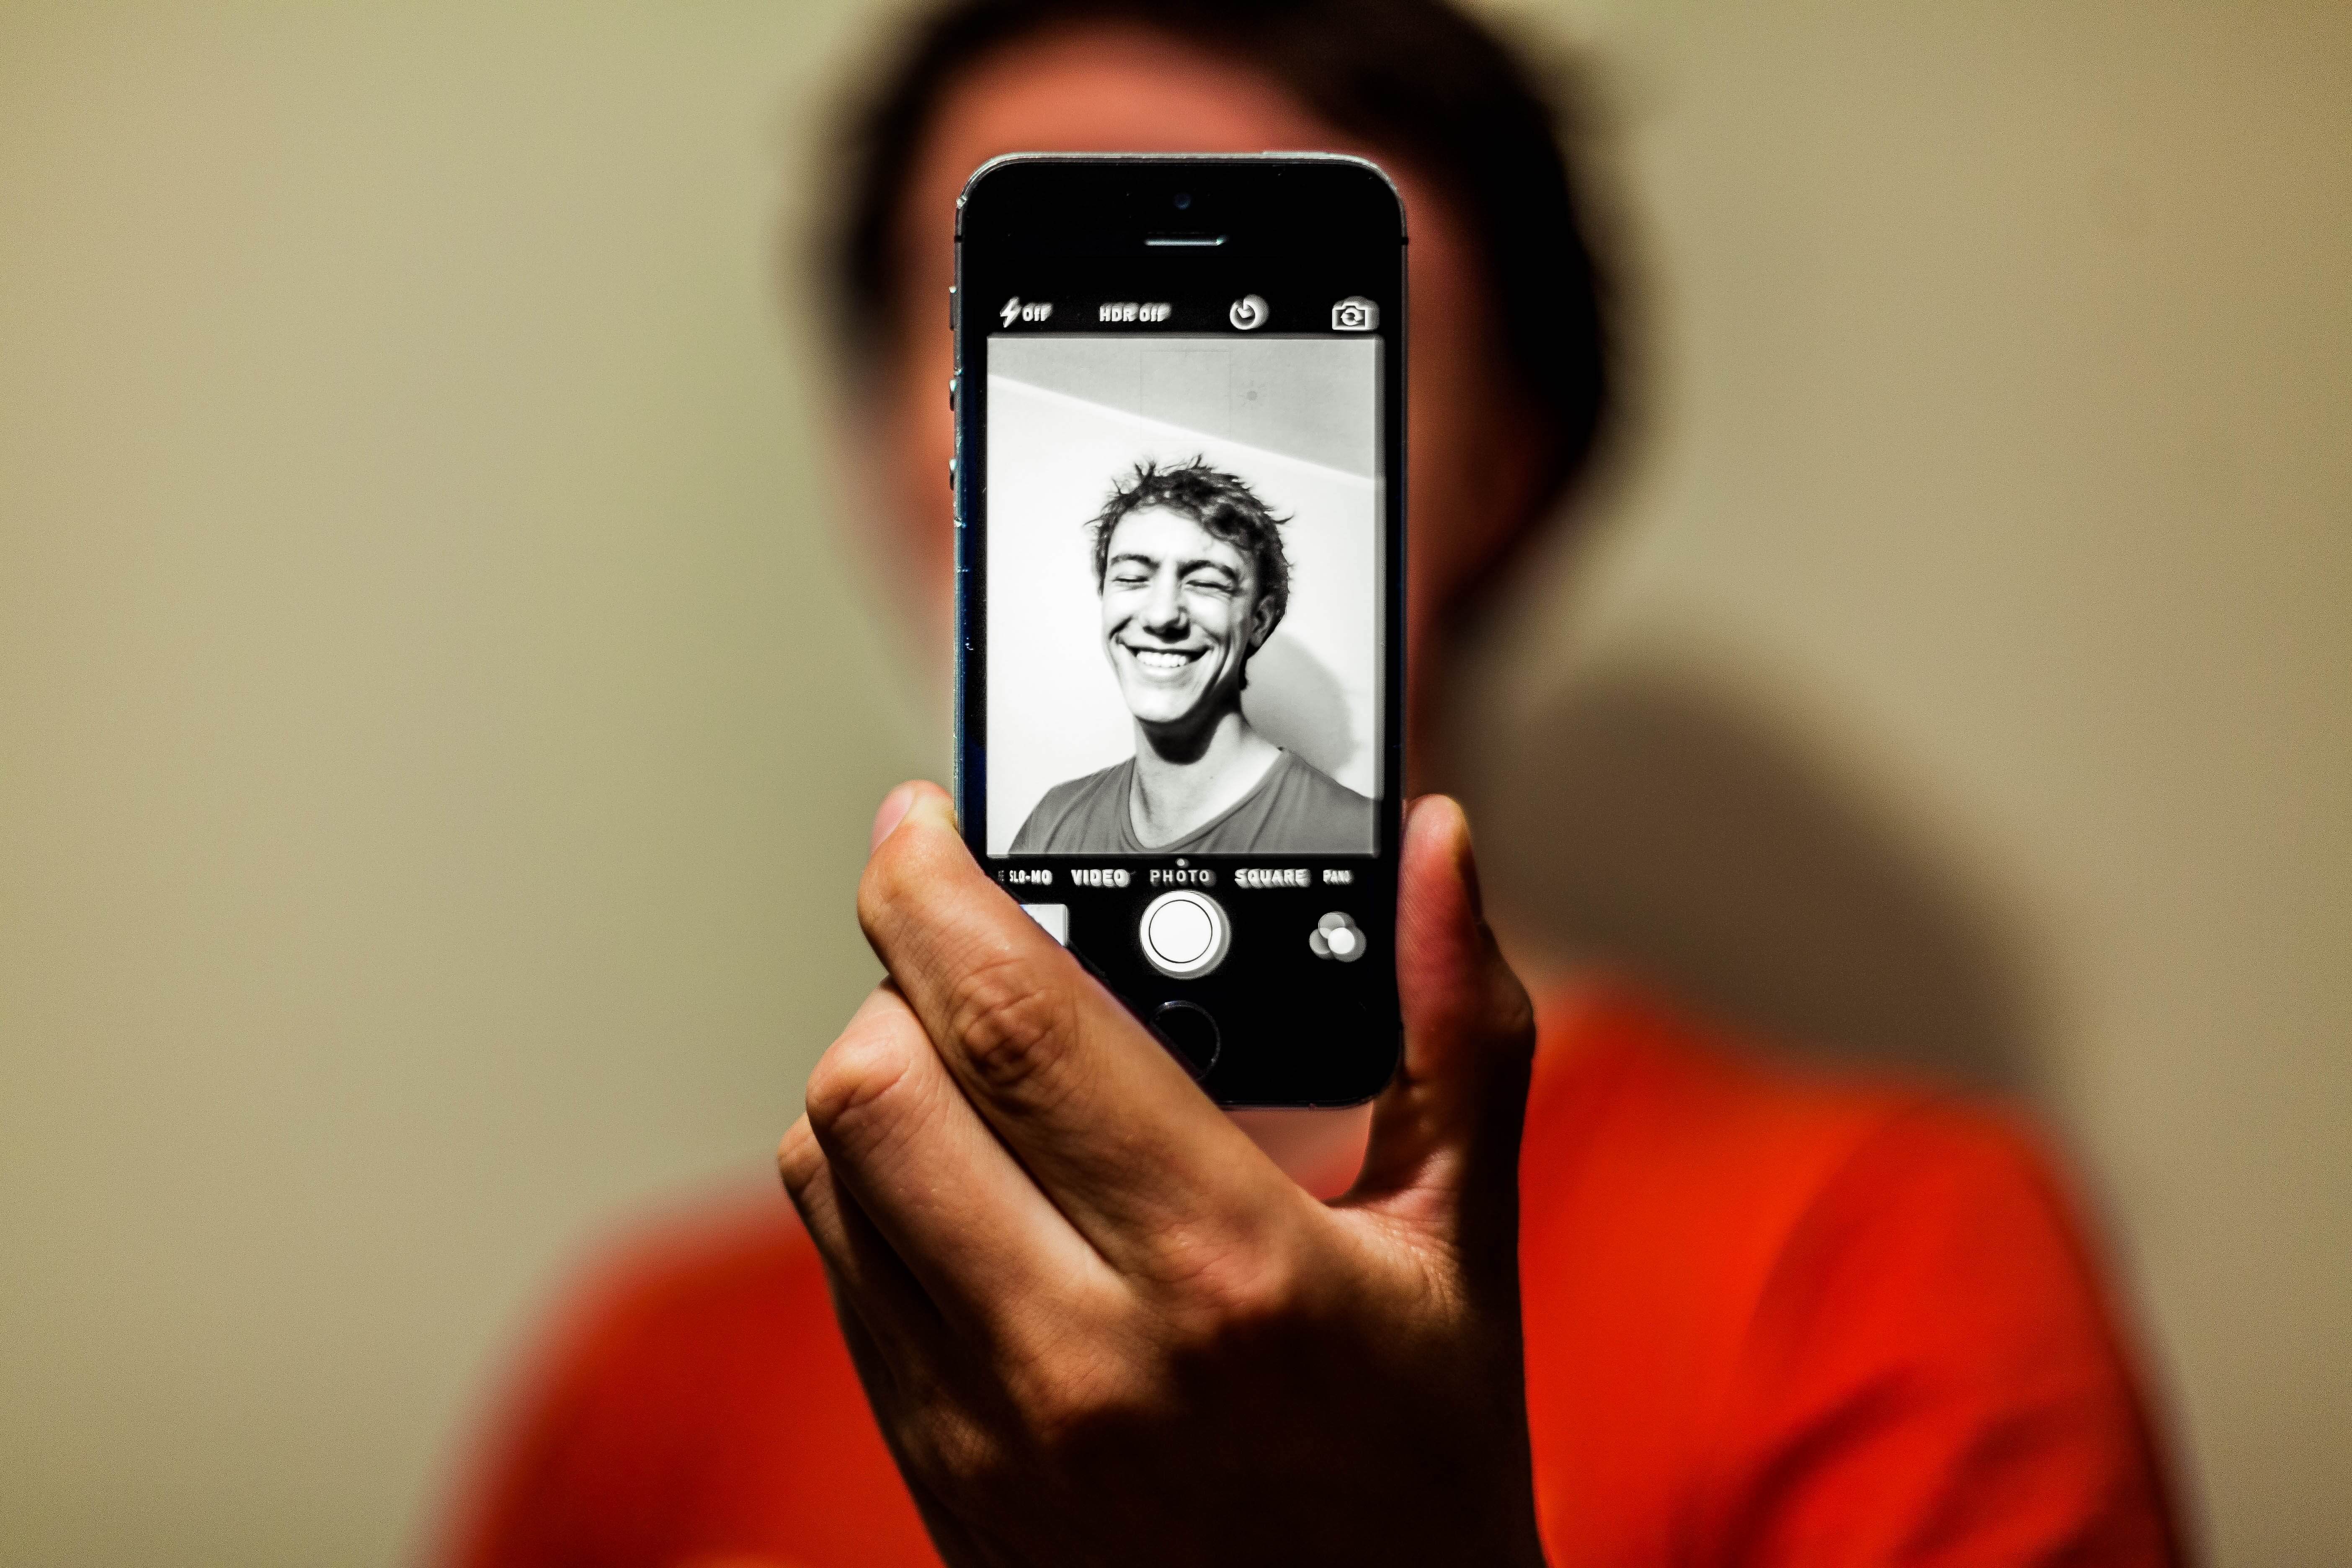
{"x": 1306, "y": 228}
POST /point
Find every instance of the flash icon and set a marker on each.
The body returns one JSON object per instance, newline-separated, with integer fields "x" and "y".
{"x": 1012, "y": 309}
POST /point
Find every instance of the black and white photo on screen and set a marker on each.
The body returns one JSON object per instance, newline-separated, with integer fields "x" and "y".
{"x": 1184, "y": 581}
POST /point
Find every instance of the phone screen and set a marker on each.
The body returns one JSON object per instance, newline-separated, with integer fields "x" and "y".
{"x": 1180, "y": 547}
{"x": 1185, "y": 556}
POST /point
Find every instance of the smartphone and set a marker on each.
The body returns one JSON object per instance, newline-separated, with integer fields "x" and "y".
{"x": 1180, "y": 557}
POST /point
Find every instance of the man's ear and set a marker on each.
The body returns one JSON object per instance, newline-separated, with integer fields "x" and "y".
{"x": 1265, "y": 615}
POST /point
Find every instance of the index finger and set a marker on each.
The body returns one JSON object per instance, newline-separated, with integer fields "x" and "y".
{"x": 1113, "y": 1129}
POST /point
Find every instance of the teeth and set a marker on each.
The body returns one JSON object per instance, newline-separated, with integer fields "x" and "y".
{"x": 1159, "y": 658}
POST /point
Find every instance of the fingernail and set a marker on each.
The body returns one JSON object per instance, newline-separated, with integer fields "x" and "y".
{"x": 894, "y": 809}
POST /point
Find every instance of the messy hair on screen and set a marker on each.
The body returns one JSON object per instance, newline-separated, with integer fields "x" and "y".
{"x": 1222, "y": 504}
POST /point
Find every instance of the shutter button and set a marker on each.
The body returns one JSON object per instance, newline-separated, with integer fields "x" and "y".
{"x": 1184, "y": 933}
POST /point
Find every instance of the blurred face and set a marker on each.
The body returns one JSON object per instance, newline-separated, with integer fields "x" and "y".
{"x": 1476, "y": 459}
{"x": 1181, "y": 616}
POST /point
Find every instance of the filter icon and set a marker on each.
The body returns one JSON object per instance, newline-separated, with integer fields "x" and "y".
{"x": 1336, "y": 936}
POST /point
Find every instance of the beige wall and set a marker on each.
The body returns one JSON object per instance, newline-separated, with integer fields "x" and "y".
{"x": 435, "y": 724}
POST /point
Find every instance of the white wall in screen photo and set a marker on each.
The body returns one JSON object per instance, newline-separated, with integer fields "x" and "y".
{"x": 1070, "y": 415}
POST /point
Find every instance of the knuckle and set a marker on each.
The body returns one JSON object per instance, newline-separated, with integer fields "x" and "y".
{"x": 1511, "y": 1043}
{"x": 1075, "y": 1371}
{"x": 854, "y": 1081}
{"x": 1515, "y": 1014}
{"x": 1078, "y": 1400}
{"x": 945, "y": 1445}
{"x": 798, "y": 1158}
{"x": 1222, "y": 1294}
{"x": 1011, "y": 1028}
{"x": 1228, "y": 1294}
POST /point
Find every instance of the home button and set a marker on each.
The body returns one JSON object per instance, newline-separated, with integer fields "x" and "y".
{"x": 1187, "y": 1029}
{"x": 1184, "y": 933}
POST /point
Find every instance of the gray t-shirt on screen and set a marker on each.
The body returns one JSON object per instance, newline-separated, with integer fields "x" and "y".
{"x": 1296, "y": 809}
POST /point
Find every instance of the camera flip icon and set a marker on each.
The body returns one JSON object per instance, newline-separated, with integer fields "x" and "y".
{"x": 1355, "y": 314}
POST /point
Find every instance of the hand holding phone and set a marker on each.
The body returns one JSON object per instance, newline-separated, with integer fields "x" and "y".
{"x": 1095, "y": 1322}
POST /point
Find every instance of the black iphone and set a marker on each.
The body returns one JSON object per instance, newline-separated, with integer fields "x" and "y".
{"x": 1180, "y": 557}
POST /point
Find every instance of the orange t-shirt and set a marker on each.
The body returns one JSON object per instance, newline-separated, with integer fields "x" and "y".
{"x": 1769, "y": 1320}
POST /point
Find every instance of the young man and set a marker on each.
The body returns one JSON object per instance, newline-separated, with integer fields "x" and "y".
{"x": 1192, "y": 578}
{"x": 1604, "y": 1289}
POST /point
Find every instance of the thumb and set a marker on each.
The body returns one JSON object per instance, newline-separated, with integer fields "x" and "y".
{"x": 1446, "y": 1134}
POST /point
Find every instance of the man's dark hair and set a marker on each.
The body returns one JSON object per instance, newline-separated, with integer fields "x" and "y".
{"x": 1416, "y": 80}
{"x": 1222, "y": 504}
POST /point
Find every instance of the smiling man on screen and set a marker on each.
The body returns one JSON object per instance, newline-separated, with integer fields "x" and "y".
{"x": 1194, "y": 579}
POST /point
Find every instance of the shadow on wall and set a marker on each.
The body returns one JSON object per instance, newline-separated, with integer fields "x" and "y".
{"x": 1299, "y": 704}
{"x": 1654, "y": 819}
